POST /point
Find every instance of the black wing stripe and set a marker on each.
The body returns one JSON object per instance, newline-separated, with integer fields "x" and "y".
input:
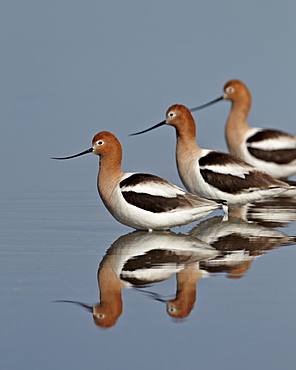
{"x": 138, "y": 178}
{"x": 233, "y": 184}
{"x": 280, "y": 156}
{"x": 214, "y": 158}
{"x": 154, "y": 203}
{"x": 266, "y": 135}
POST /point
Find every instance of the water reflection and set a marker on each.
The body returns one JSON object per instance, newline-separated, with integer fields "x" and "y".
{"x": 139, "y": 259}
{"x": 273, "y": 212}
{"x": 215, "y": 245}
{"x": 239, "y": 243}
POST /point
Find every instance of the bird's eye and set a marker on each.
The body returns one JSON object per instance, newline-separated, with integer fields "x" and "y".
{"x": 229, "y": 90}
{"x": 171, "y": 114}
{"x": 171, "y": 308}
{"x": 100, "y": 142}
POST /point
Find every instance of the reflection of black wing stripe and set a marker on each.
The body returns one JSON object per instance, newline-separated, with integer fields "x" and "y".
{"x": 234, "y": 184}
{"x": 154, "y": 203}
{"x": 280, "y": 156}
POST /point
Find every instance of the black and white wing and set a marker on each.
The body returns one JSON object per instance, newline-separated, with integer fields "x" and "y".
{"x": 154, "y": 194}
{"x": 230, "y": 174}
{"x": 272, "y": 146}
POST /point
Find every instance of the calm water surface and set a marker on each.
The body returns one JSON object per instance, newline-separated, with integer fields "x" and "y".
{"x": 79, "y": 290}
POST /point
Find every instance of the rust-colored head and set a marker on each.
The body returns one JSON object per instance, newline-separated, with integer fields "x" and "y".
{"x": 180, "y": 117}
{"x": 177, "y": 115}
{"x": 105, "y": 314}
{"x": 178, "y": 309}
{"x": 105, "y": 142}
{"x": 236, "y": 90}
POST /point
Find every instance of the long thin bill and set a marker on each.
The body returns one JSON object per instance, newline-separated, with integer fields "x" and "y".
{"x": 206, "y": 105}
{"x": 90, "y": 150}
{"x": 84, "y": 305}
{"x": 149, "y": 129}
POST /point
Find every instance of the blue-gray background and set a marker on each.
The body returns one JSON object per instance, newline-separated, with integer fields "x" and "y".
{"x": 70, "y": 69}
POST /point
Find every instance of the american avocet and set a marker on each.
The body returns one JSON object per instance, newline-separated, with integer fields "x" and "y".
{"x": 139, "y": 200}
{"x": 212, "y": 174}
{"x": 271, "y": 151}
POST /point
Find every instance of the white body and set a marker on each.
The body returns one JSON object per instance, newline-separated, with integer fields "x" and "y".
{"x": 141, "y": 219}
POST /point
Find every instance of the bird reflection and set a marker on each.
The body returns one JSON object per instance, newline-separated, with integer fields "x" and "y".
{"x": 139, "y": 259}
{"x": 273, "y": 212}
{"x": 215, "y": 245}
{"x": 182, "y": 305}
{"x": 239, "y": 243}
